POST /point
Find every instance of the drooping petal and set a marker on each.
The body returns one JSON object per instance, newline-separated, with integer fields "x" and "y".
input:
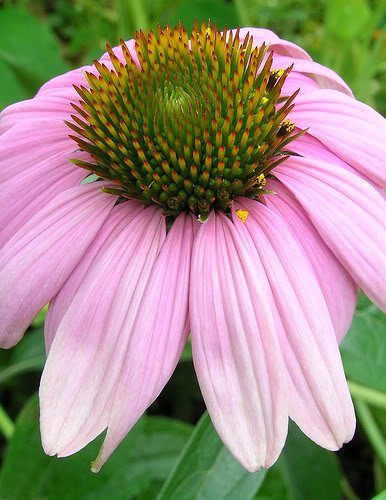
{"x": 235, "y": 344}
{"x": 66, "y": 81}
{"x": 121, "y": 214}
{"x": 88, "y": 351}
{"x": 323, "y": 411}
{"x": 38, "y": 259}
{"x": 349, "y": 128}
{"x": 157, "y": 337}
{"x": 279, "y": 46}
{"x": 349, "y": 215}
{"x": 296, "y": 82}
{"x": 325, "y": 77}
{"x": 23, "y": 195}
{"x": 308, "y": 145}
{"x": 311, "y": 147}
{"x": 339, "y": 290}
{"x": 49, "y": 107}
{"x": 29, "y": 144}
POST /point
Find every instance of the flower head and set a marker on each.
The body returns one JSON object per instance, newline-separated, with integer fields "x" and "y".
{"x": 191, "y": 126}
{"x": 236, "y": 194}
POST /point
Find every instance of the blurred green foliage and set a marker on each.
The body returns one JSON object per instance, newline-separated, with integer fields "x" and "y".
{"x": 140, "y": 465}
{"x": 42, "y": 38}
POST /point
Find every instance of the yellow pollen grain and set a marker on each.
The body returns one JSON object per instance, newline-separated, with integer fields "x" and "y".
{"x": 264, "y": 100}
{"x": 289, "y": 126}
{"x": 262, "y": 180}
{"x": 278, "y": 72}
{"x": 242, "y": 215}
{"x": 208, "y": 31}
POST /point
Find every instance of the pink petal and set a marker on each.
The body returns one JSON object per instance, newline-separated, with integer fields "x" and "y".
{"x": 121, "y": 214}
{"x": 236, "y": 352}
{"x": 297, "y": 82}
{"x": 325, "y": 77}
{"x": 55, "y": 107}
{"x": 65, "y": 81}
{"x": 349, "y": 215}
{"x": 30, "y": 144}
{"x": 337, "y": 286}
{"x": 22, "y": 196}
{"x": 157, "y": 337}
{"x": 95, "y": 331}
{"x": 36, "y": 262}
{"x": 308, "y": 146}
{"x": 279, "y": 46}
{"x": 350, "y": 129}
{"x": 323, "y": 411}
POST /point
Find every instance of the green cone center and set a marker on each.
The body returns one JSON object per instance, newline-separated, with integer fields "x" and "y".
{"x": 194, "y": 122}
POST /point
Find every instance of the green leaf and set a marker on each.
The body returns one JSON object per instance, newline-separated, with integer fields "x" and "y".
{"x": 206, "y": 470}
{"x": 187, "y": 352}
{"x": 346, "y": 20}
{"x": 11, "y": 89}
{"x": 304, "y": 471}
{"x": 380, "y": 496}
{"x": 28, "y": 355}
{"x": 40, "y": 318}
{"x": 364, "y": 347}
{"x": 370, "y": 427}
{"x": 30, "y": 52}
{"x": 274, "y": 487}
{"x": 309, "y": 472}
{"x": 142, "y": 461}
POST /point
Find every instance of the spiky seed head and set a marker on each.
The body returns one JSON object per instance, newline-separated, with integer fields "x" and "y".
{"x": 198, "y": 121}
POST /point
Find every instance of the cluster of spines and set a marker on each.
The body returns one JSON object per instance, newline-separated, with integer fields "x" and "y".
{"x": 193, "y": 125}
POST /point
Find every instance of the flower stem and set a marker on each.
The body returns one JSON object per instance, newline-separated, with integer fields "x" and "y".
{"x": 379, "y": 476}
{"x": 138, "y": 11}
{"x": 7, "y": 427}
{"x": 132, "y": 15}
{"x": 242, "y": 11}
{"x": 95, "y": 10}
{"x": 348, "y": 492}
{"x": 371, "y": 396}
{"x": 370, "y": 427}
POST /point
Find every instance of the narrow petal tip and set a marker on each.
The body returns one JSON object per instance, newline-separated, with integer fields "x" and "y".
{"x": 96, "y": 464}
{"x": 253, "y": 460}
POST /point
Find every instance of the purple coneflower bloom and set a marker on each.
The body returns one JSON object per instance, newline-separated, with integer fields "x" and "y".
{"x": 227, "y": 186}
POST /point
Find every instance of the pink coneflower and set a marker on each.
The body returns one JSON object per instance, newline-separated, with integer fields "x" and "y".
{"x": 235, "y": 193}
